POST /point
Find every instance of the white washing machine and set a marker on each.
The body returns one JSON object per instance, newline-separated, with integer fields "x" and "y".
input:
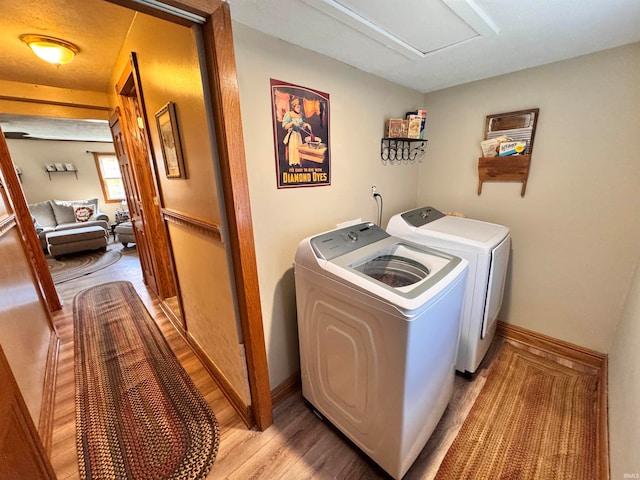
{"x": 378, "y": 325}
{"x": 486, "y": 247}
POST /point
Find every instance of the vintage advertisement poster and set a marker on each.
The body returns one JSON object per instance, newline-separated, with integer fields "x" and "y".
{"x": 300, "y": 135}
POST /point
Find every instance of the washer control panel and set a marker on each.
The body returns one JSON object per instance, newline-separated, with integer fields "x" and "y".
{"x": 339, "y": 242}
{"x": 422, "y": 216}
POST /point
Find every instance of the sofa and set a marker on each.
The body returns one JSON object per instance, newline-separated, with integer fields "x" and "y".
{"x": 58, "y": 215}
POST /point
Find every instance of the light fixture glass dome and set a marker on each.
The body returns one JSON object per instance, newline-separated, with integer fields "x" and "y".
{"x": 50, "y": 49}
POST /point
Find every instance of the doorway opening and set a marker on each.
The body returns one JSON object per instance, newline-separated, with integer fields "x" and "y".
{"x": 184, "y": 226}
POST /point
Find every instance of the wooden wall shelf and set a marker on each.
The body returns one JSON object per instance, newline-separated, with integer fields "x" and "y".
{"x": 516, "y": 126}
{"x": 61, "y": 171}
{"x": 513, "y": 168}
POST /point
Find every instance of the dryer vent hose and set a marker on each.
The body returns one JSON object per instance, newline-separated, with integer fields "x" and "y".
{"x": 376, "y": 197}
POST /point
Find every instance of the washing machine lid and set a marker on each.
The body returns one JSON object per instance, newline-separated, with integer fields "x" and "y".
{"x": 439, "y": 230}
{"x": 404, "y": 273}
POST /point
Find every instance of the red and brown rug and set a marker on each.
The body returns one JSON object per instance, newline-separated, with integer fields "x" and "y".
{"x": 534, "y": 419}
{"x": 78, "y": 265}
{"x": 138, "y": 413}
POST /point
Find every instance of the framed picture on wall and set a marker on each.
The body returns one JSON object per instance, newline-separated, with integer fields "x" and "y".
{"x": 300, "y": 135}
{"x": 169, "y": 135}
{"x": 70, "y": 167}
{"x": 49, "y": 167}
{"x": 60, "y": 167}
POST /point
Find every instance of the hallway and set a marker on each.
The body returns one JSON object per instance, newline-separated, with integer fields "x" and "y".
{"x": 63, "y": 454}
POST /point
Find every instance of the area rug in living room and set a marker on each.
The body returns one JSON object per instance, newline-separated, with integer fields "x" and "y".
{"x": 533, "y": 419}
{"x": 75, "y": 266}
{"x": 138, "y": 413}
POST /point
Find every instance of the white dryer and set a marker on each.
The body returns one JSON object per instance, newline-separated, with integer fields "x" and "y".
{"x": 378, "y": 325}
{"x": 486, "y": 247}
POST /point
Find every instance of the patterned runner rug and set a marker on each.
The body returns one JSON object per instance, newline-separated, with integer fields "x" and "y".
{"x": 138, "y": 414}
{"x": 533, "y": 419}
{"x": 74, "y": 266}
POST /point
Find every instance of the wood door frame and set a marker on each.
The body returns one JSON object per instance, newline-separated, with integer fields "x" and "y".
{"x": 18, "y": 203}
{"x": 225, "y": 104}
{"x": 18, "y": 215}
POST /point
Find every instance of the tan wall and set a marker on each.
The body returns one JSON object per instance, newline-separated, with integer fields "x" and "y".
{"x": 31, "y": 155}
{"x": 359, "y": 105}
{"x": 575, "y": 232}
{"x": 24, "y": 322}
{"x": 624, "y": 388}
{"x": 211, "y": 321}
{"x": 169, "y": 71}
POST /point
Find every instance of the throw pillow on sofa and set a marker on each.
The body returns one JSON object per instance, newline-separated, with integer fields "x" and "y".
{"x": 43, "y": 213}
{"x": 84, "y": 213}
{"x": 64, "y": 212}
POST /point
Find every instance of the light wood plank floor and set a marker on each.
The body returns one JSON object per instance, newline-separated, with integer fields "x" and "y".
{"x": 298, "y": 446}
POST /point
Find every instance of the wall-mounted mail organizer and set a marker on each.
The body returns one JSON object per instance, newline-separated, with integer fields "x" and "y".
{"x": 517, "y": 126}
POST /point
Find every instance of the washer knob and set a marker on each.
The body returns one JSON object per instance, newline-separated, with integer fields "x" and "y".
{"x": 353, "y": 236}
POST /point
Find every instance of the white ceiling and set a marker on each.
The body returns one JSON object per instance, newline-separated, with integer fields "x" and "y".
{"x": 455, "y": 41}
{"x": 46, "y": 128}
{"x": 425, "y": 45}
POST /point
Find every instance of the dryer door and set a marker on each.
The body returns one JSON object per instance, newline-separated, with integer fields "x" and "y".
{"x": 495, "y": 287}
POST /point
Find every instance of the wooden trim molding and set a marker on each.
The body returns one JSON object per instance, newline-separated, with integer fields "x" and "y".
{"x": 238, "y": 404}
{"x": 197, "y": 7}
{"x": 602, "y": 444}
{"x": 175, "y": 321}
{"x": 52, "y": 102}
{"x": 225, "y": 104}
{"x": 287, "y": 388}
{"x": 188, "y": 221}
{"x": 226, "y": 388}
{"x": 585, "y": 356}
{"x": 564, "y": 349}
{"x": 7, "y": 223}
{"x": 45, "y": 422}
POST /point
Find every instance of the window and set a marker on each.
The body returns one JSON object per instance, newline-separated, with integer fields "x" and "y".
{"x": 110, "y": 178}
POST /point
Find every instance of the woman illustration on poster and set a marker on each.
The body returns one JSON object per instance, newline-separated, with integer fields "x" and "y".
{"x": 292, "y": 122}
{"x": 301, "y": 137}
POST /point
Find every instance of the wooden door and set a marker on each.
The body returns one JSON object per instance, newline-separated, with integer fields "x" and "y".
{"x": 22, "y": 455}
{"x": 136, "y": 141}
{"x": 133, "y": 202}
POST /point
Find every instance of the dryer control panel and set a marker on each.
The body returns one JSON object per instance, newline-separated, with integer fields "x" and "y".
{"x": 339, "y": 242}
{"x": 422, "y": 216}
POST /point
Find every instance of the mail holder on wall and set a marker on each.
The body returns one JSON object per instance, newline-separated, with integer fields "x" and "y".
{"x": 517, "y": 126}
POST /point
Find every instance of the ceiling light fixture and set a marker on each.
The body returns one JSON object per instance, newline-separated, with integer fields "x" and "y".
{"x": 50, "y": 49}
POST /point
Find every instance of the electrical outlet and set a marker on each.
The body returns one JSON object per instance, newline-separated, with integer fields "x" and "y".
{"x": 373, "y": 191}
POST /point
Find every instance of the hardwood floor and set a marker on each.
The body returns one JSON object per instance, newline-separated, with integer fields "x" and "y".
{"x": 63, "y": 456}
{"x": 298, "y": 446}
